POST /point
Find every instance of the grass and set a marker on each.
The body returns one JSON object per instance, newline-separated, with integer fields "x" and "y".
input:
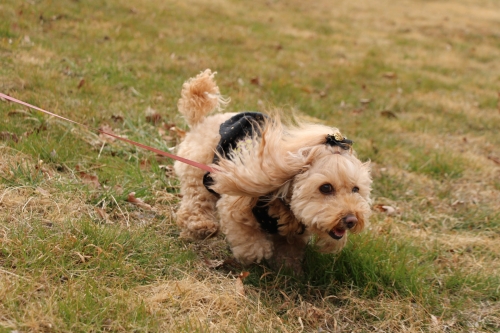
{"x": 414, "y": 84}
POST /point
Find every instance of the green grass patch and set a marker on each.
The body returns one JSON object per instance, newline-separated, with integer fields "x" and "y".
{"x": 477, "y": 286}
{"x": 373, "y": 265}
{"x": 476, "y": 218}
{"x": 390, "y": 186}
{"x": 23, "y": 174}
{"x": 98, "y": 250}
{"x": 437, "y": 164}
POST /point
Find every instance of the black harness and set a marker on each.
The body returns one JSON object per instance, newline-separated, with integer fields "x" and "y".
{"x": 261, "y": 213}
{"x": 232, "y": 131}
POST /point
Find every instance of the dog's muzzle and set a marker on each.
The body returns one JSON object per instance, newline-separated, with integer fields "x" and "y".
{"x": 347, "y": 222}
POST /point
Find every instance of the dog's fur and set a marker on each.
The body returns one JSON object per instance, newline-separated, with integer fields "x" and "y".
{"x": 287, "y": 164}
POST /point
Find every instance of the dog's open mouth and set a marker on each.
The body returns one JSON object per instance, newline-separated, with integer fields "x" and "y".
{"x": 337, "y": 233}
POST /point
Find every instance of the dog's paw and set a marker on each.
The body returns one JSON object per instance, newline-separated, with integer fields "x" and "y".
{"x": 200, "y": 229}
{"x": 254, "y": 251}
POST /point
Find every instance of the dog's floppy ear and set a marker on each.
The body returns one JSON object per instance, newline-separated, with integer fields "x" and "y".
{"x": 305, "y": 152}
{"x": 308, "y": 154}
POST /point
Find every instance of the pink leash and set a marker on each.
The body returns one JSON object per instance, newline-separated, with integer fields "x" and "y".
{"x": 157, "y": 151}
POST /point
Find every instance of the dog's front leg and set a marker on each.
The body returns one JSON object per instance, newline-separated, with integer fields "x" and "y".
{"x": 288, "y": 253}
{"x": 248, "y": 242}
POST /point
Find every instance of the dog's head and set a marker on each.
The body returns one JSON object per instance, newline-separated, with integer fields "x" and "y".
{"x": 331, "y": 196}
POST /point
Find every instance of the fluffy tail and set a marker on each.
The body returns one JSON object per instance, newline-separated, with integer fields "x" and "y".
{"x": 200, "y": 96}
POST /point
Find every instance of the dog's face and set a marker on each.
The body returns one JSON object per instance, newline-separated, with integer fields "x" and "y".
{"x": 332, "y": 196}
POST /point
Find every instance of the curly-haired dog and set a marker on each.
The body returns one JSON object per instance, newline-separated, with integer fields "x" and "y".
{"x": 275, "y": 186}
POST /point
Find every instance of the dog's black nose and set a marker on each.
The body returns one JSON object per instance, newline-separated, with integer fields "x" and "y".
{"x": 350, "y": 221}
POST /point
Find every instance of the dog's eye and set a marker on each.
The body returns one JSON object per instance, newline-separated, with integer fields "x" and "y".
{"x": 326, "y": 189}
{"x": 355, "y": 189}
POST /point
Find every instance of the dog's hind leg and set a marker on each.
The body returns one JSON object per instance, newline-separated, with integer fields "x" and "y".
{"x": 196, "y": 215}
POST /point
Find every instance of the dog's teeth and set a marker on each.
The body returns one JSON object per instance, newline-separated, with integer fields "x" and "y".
{"x": 336, "y": 234}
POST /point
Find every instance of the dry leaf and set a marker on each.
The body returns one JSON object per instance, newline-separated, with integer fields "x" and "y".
{"x": 243, "y": 275}
{"x": 81, "y": 83}
{"x": 308, "y": 90}
{"x": 152, "y": 116}
{"x": 179, "y": 132}
{"x": 104, "y": 137}
{"x": 496, "y": 160}
{"x": 240, "y": 289}
{"x": 88, "y": 178}
{"x": 117, "y": 118}
{"x": 5, "y": 136}
{"x": 388, "y": 114}
{"x": 389, "y": 210}
{"x": 174, "y": 129}
{"x": 101, "y": 213}
{"x": 144, "y": 164}
{"x": 18, "y": 113}
{"x": 255, "y": 81}
{"x": 27, "y": 134}
{"x": 138, "y": 202}
{"x": 389, "y": 75}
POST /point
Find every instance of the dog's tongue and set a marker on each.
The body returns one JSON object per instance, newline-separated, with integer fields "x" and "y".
{"x": 337, "y": 233}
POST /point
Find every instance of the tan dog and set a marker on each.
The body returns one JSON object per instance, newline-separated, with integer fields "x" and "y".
{"x": 276, "y": 186}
